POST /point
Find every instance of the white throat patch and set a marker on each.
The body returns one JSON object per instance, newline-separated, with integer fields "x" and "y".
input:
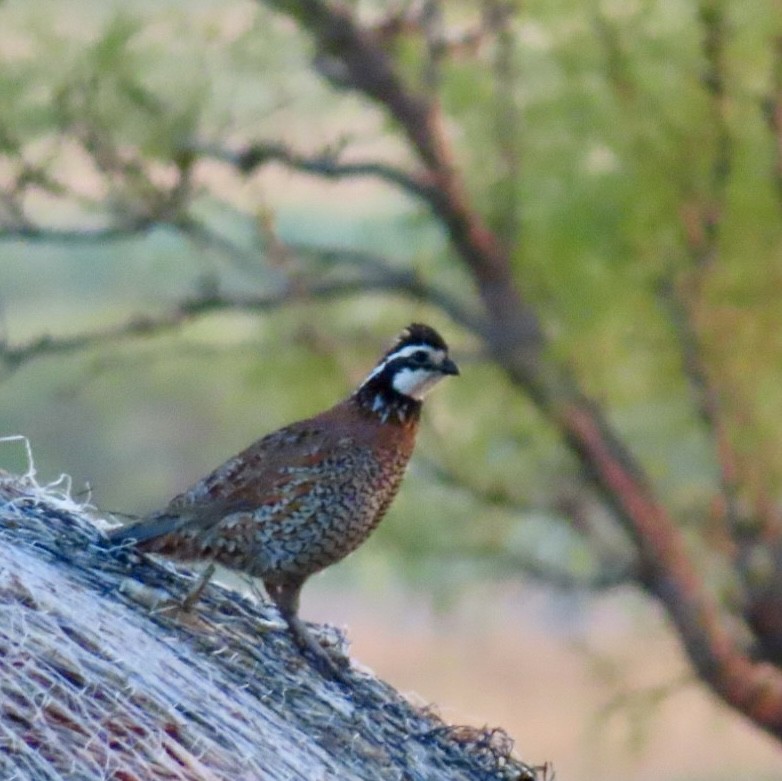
{"x": 415, "y": 383}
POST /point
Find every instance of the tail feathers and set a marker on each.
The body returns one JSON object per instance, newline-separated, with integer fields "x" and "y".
{"x": 173, "y": 519}
{"x": 149, "y": 528}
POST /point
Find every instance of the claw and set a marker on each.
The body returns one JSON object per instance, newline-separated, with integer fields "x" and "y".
{"x": 329, "y": 665}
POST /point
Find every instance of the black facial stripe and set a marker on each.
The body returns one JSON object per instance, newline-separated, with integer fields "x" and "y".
{"x": 397, "y": 364}
{"x": 409, "y": 351}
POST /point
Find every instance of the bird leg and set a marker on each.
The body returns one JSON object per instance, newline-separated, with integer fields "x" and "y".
{"x": 192, "y": 596}
{"x": 174, "y": 606}
{"x": 286, "y": 597}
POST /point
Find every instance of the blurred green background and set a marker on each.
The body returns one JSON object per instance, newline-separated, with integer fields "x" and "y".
{"x": 588, "y": 158}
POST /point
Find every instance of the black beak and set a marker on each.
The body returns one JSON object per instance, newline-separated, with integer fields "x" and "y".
{"x": 449, "y": 367}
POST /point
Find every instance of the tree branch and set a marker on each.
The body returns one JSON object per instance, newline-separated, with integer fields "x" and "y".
{"x": 380, "y": 267}
{"x": 411, "y": 20}
{"x": 203, "y": 237}
{"x": 606, "y": 576}
{"x": 210, "y": 302}
{"x": 758, "y": 527}
{"x": 612, "y": 569}
{"x": 326, "y": 164}
{"x": 704, "y": 221}
{"x": 681, "y": 299}
{"x": 38, "y": 233}
{"x": 507, "y": 124}
{"x": 707, "y": 402}
{"x": 667, "y": 572}
{"x": 517, "y": 342}
{"x": 370, "y": 70}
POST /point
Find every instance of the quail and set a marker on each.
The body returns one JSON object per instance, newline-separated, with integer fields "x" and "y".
{"x": 305, "y": 496}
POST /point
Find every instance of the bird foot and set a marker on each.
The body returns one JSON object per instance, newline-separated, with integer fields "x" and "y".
{"x": 159, "y": 602}
{"x": 330, "y": 664}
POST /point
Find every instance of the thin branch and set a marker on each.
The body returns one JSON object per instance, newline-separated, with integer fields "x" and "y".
{"x": 187, "y": 226}
{"x": 205, "y": 238}
{"x": 684, "y": 301}
{"x": 611, "y": 570}
{"x": 370, "y": 70}
{"x": 748, "y": 531}
{"x": 639, "y": 706}
{"x": 667, "y": 571}
{"x": 210, "y": 302}
{"x": 158, "y": 207}
{"x": 507, "y": 121}
{"x": 41, "y": 234}
{"x": 431, "y": 24}
{"x": 606, "y": 576}
{"x": 503, "y": 564}
{"x": 380, "y": 266}
{"x": 758, "y": 528}
{"x": 707, "y": 401}
{"x": 706, "y": 246}
{"x": 497, "y": 497}
{"x": 515, "y": 337}
{"x": 325, "y": 164}
{"x": 683, "y": 298}
{"x": 410, "y": 21}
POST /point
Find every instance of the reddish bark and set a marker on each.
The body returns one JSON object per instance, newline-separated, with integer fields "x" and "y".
{"x": 753, "y": 688}
{"x": 515, "y": 338}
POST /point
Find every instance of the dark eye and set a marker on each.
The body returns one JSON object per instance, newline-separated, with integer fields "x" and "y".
{"x": 420, "y": 356}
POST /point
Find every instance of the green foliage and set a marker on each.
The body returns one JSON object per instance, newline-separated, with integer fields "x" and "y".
{"x": 616, "y": 136}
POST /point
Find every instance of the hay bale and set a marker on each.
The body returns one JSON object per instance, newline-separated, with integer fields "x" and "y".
{"x": 96, "y": 685}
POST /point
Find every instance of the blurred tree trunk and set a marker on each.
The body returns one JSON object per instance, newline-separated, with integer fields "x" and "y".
{"x": 512, "y": 333}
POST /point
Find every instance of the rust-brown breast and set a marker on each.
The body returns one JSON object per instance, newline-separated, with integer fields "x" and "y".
{"x": 295, "y": 501}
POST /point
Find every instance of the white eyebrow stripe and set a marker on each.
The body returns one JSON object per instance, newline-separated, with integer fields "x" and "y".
{"x": 405, "y": 352}
{"x": 410, "y": 349}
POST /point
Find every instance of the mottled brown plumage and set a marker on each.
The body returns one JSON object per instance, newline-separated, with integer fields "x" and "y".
{"x": 305, "y": 496}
